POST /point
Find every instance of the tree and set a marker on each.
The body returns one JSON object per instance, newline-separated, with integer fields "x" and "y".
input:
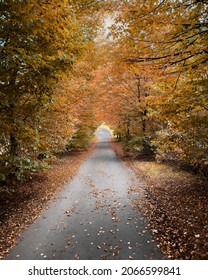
{"x": 169, "y": 40}
{"x": 39, "y": 40}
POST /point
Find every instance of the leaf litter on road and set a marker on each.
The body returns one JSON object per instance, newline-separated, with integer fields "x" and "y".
{"x": 175, "y": 203}
{"x": 20, "y": 207}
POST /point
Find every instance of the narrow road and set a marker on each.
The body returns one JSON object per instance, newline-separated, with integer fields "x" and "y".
{"x": 92, "y": 217}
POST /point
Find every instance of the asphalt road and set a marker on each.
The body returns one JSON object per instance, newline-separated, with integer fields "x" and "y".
{"x": 92, "y": 217}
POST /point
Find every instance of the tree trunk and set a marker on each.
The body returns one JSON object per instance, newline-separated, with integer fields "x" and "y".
{"x": 13, "y": 146}
{"x": 144, "y": 123}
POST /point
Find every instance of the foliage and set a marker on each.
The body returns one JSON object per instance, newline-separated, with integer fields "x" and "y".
{"x": 84, "y": 130}
{"x": 81, "y": 139}
{"x": 166, "y": 42}
{"x": 39, "y": 41}
{"x": 61, "y": 76}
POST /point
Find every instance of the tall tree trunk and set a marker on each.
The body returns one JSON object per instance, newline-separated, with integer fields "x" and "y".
{"x": 11, "y": 115}
{"x": 144, "y": 122}
{"x": 13, "y": 146}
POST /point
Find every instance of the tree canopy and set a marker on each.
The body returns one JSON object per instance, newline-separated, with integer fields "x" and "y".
{"x": 61, "y": 76}
{"x": 165, "y": 42}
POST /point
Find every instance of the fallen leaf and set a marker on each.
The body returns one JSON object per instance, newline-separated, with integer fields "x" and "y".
{"x": 103, "y": 257}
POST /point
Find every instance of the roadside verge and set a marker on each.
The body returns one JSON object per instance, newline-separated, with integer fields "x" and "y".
{"x": 176, "y": 206}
